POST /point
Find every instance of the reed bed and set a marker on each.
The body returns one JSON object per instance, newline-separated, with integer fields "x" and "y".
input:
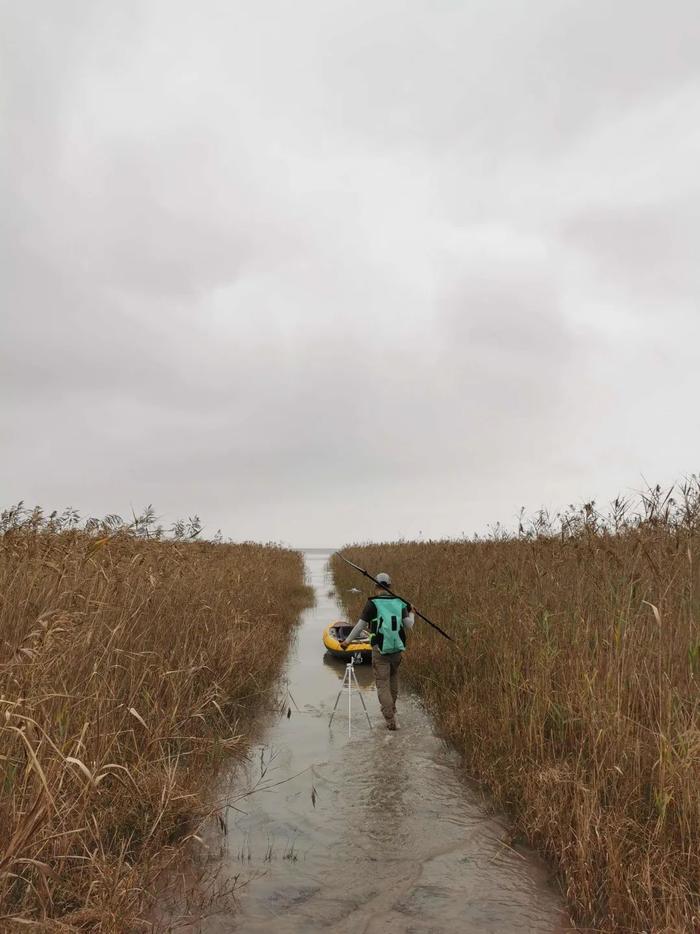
{"x": 573, "y": 691}
{"x": 131, "y": 668}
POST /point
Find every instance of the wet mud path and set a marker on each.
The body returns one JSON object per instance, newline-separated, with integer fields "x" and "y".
{"x": 373, "y": 833}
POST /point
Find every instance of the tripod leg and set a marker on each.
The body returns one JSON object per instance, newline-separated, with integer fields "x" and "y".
{"x": 363, "y": 700}
{"x": 335, "y": 707}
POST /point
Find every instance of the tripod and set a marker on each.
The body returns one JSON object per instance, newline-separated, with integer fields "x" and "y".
{"x": 348, "y": 679}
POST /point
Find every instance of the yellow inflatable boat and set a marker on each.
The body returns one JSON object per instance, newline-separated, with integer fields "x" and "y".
{"x": 333, "y": 635}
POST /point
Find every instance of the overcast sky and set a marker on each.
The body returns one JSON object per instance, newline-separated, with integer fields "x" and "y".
{"x": 328, "y": 271}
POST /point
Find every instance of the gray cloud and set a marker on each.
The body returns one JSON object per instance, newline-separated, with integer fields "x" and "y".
{"x": 351, "y": 270}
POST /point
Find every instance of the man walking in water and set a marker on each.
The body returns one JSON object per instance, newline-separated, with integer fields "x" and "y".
{"x": 388, "y": 619}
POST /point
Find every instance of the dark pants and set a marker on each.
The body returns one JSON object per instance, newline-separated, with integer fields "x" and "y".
{"x": 386, "y": 676}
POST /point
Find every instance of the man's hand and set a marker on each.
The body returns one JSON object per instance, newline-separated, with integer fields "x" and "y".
{"x": 343, "y": 645}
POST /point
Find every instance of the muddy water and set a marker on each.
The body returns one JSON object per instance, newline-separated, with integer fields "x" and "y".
{"x": 371, "y": 833}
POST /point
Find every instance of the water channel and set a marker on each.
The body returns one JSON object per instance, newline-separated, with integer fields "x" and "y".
{"x": 379, "y": 832}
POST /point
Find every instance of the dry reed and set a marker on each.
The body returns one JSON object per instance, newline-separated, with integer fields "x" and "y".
{"x": 572, "y": 691}
{"x": 130, "y": 668}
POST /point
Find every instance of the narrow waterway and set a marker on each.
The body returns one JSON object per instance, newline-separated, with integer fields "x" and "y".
{"x": 377, "y": 832}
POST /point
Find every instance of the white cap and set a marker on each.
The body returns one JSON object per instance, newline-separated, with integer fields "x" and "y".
{"x": 383, "y": 579}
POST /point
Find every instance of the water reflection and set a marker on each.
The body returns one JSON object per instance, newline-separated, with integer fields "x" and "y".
{"x": 363, "y": 672}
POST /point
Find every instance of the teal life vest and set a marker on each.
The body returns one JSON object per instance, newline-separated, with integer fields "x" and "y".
{"x": 386, "y": 630}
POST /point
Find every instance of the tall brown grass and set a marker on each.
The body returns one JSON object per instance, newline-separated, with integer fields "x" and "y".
{"x": 573, "y": 691}
{"x": 130, "y": 668}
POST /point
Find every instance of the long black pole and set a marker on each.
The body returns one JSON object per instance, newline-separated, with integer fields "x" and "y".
{"x": 392, "y": 594}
